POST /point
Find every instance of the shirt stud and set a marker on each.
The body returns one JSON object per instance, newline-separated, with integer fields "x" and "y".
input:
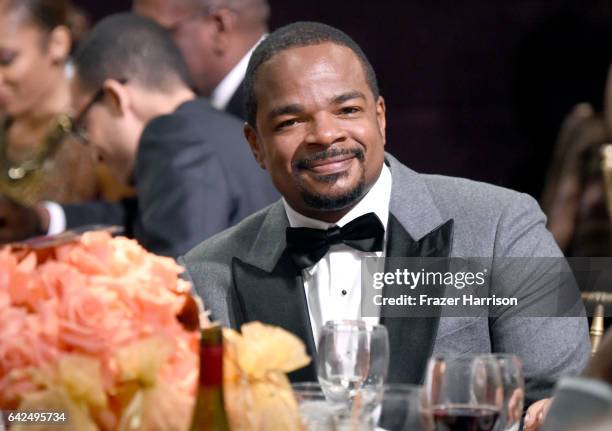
{"x": 343, "y": 292}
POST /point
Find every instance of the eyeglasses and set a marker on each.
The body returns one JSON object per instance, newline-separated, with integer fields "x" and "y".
{"x": 77, "y": 128}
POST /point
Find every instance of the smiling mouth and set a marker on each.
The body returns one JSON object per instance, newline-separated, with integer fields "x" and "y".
{"x": 331, "y": 165}
{"x": 332, "y": 161}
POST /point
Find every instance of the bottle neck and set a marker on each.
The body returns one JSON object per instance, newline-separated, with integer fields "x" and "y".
{"x": 211, "y": 366}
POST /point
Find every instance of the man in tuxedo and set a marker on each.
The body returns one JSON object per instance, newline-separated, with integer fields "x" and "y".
{"x": 192, "y": 168}
{"x": 217, "y": 38}
{"x": 316, "y": 122}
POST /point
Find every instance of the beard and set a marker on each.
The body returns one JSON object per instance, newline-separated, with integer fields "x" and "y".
{"x": 331, "y": 202}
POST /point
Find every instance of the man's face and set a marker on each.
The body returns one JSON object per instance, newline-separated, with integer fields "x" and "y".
{"x": 111, "y": 131}
{"x": 320, "y": 132}
{"x": 191, "y": 31}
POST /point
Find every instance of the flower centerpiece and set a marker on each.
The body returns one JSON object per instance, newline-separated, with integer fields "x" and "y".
{"x": 108, "y": 334}
{"x": 92, "y": 327}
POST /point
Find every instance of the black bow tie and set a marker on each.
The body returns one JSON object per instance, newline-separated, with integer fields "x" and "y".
{"x": 307, "y": 246}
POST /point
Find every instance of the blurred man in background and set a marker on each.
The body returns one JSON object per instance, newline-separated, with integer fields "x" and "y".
{"x": 192, "y": 168}
{"x": 216, "y": 38}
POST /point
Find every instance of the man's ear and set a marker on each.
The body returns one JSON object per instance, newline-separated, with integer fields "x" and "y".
{"x": 381, "y": 117}
{"x": 59, "y": 44}
{"x": 225, "y": 21}
{"x": 252, "y": 137}
{"x": 117, "y": 96}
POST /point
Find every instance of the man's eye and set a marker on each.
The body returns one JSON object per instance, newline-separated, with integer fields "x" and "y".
{"x": 347, "y": 110}
{"x": 286, "y": 123}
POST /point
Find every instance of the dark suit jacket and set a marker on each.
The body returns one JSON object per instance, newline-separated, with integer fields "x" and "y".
{"x": 235, "y": 105}
{"x": 195, "y": 176}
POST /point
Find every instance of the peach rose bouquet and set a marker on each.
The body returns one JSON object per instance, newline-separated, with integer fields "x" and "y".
{"x": 92, "y": 327}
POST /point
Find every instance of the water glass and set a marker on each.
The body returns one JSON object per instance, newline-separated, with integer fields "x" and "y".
{"x": 353, "y": 358}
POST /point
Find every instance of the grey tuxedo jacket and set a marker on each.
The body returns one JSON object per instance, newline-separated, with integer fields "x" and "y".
{"x": 243, "y": 274}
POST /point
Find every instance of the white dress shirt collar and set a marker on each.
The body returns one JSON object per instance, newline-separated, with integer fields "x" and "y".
{"x": 376, "y": 200}
{"x": 224, "y": 91}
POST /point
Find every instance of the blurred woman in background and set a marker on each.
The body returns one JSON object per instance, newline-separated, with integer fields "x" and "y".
{"x": 39, "y": 158}
{"x": 576, "y": 197}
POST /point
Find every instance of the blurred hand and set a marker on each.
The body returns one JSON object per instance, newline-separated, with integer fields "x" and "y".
{"x": 18, "y": 222}
{"x": 536, "y": 413}
{"x": 515, "y": 405}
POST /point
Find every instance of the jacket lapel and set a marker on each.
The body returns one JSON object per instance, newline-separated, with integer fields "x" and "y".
{"x": 268, "y": 287}
{"x": 411, "y": 339}
{"x": 415, "y": 229}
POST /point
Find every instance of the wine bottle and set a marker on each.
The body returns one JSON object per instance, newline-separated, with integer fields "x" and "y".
{"x": 209, "y": 411}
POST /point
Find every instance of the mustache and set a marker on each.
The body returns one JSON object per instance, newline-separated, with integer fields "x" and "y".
{"x": 307, "y": 162}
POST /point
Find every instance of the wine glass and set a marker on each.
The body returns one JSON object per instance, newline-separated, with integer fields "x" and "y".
{"x": 463, "y": 393}
{"x": 511, "y": 369}
{"x": 353, "y": 358}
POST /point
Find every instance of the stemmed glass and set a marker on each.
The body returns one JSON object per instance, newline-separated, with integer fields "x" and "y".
{"x": 511, "y": 369}
{"x": 353, "y": 358}
{"x": 463, "y": 393}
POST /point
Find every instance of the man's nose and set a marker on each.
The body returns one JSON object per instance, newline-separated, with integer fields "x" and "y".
{"x": 325, "y": 130}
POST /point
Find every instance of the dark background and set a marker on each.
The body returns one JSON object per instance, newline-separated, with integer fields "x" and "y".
{"x": 475, "y": 88}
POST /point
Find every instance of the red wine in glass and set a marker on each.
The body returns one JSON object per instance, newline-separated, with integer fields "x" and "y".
{"x": 465, "y": 418}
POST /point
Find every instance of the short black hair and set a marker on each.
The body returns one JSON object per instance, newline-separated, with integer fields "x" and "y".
{"x": 294, "y": 35}
{"x": 130, "y": 47}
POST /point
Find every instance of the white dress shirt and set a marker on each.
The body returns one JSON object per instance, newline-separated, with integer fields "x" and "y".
{"x": 224, "y": 91}
{"x": 333, "y": 285}
{"x": 57, "y": 217}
